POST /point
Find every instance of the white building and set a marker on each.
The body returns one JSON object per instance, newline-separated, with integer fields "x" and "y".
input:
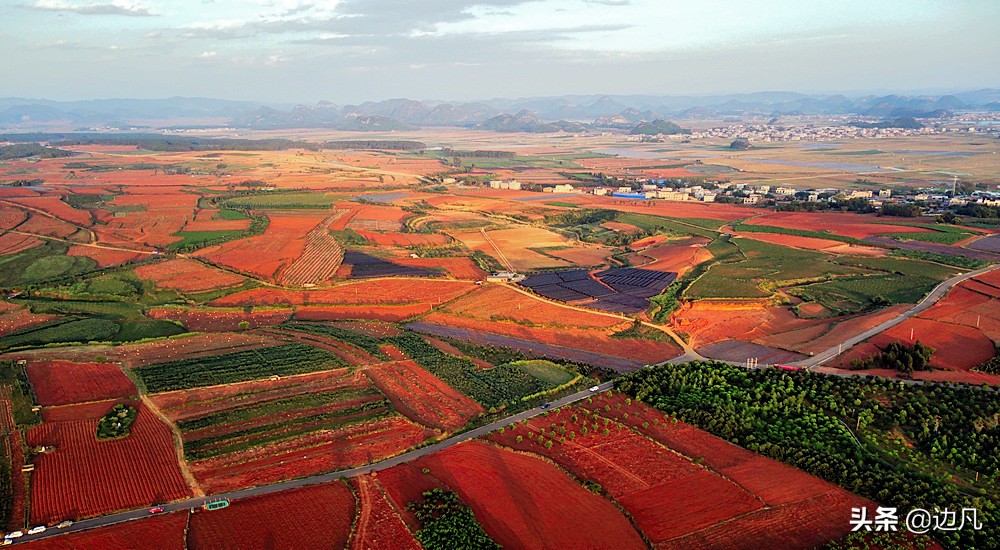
{"x": 884, "y": 193}
{"x": 563, "y": 188}
{"x": 784, "y": 191}
{"x": 505, "y": 184}
{"x": 600, "y": 191}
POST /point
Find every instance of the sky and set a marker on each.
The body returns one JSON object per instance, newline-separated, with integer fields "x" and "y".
{"x": 348, "y": 51}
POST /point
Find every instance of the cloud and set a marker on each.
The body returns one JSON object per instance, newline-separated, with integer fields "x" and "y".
{"x": 115, "y": 7}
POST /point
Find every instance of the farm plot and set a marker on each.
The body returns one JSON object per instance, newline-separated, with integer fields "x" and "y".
{"x": 138, "y": 470}
{"x": 319, "y": 260}
{"x": 187, "y": 347}
{"x": 766, "y": 266}
{"x": 403, "y": 291}
{"x": 250, "y": 426}
{"x": 324, "y": 451}
{"x": 497, "y": 302}
{"x": 521, "y": 246}
{"x": 359, "y": 265}
{"x": 12, "y": 243}
{"x": 623, "y": 290}
{"x": 14, "y": 318}
{"x": 310, "y": 517}
{"x": 524, "y": 501}
{"x": 220, "y": 320}
{"x": 378, "y": 523}
{"x": 236, "y": 367}
{"x": 421, "y": 396}
{"x": 105, "y": 257}
{"x": 494, "y": 387}
{"x": 786, "y": 491}
{"x": 267, "y": 254}
{"x": 591, "y": 341}
{"x": 163, "y": 532}
{"x": 65, "y": 382}
{"x": 187, "y": 276}
{"x": 854, "y": 226}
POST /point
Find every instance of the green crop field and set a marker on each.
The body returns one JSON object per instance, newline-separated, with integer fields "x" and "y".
{"x": 71, "y": 330}
{"x": 42, "y": 263}
{"x": 197, "y": 238}
{"x": 496, "y": 387}
{"x": 546, "y": 371}
{"x": 765, "y": 264}
{"x": 236, "y": 367}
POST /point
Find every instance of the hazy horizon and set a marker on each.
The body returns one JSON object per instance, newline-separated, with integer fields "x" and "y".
{"x": 349, "y": 51}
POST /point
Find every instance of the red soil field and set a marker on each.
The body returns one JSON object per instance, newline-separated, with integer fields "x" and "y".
{"x": 382, "y": 313}
{"x": 958, "y": 347}
{"x": 192, "y": 403}
{"x": 673, "y": 209}
{"x": 378, "y": 524}
{"x": 138, "y": 470}
{"x": 57, "y": 208}
{"x": 580, "y": 339}
{"x": 808, "y": 243}
{"x": 265, "y": 255}
{"x": 786, "y": 490}
{"x": 65, "y": 382}
{"x": 42, "y": 225}
{"x": 396, "y": 291}
{"x": 310, "y": 517}
{"x": 14, "y": 447}
{"x": 687, "y": 504}
{"x": 187, "y": 276}
{"x": 498, "y": 302}
{"x": 12, "y": 243}
{"x": 320, "y": 258}
{"x": 524, "y": 501}
{"x": 806, "y": 524}
{"x": 678, "y": 256}
{"x": 216, "y": 225}
{"x": 199, "y": 345}
{"x": 404, "y": 484}
{"x": 311, "y": 454}
{"x": 105, "y": 257}
{"x": 92, "y": 410}
{"x": 857, "y": 226}
{"x": 163, "y": 532}
{"x": 421, "y": 396}
{"x": 14, "y": 317}
{"x": 220, "y": 320}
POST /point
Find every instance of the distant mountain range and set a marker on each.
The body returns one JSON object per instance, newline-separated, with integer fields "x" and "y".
{"x": 633, "y": 113}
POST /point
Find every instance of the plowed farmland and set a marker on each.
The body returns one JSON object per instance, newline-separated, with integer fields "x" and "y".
{"x": 164, "y": 532}
{"x": 266, "y": 255}
{"x": 401, "y": 291}
{"x": 138, "y": 470}
{"x": 378, "y": 524}
{"x": 421, "y": 396}
{"x": 65, "y": 382}
{"x": 187, "y": 276}
{"x": 524, "y": 501}
{"x": 311, "y": 517}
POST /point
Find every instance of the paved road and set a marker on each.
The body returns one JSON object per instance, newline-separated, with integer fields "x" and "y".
{"x": 928, "y": 301}
{"x": 120, "y": 517}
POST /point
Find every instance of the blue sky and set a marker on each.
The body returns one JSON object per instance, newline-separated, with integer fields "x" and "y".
{"x": 356, "y": 50}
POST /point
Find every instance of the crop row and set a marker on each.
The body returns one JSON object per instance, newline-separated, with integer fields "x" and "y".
{"x": 368, "y": 343}
{"x": 236, "y": 367}
{"x": 275, "y": 407}
{"x": 284, "y": 430}
{"x": 494, "y": 387}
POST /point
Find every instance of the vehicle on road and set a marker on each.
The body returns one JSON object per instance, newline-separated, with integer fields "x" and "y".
{"x": 595, "y": 388}
{"x": 156, "y": 509}
{"x": 215, "y": 505}
{"x": 64, "y": 524}
{"x": 36, "y": 530}
{"x": 546, "y": 405}
{"x": 14, "y": 535}
{"x": 6, "y": 542}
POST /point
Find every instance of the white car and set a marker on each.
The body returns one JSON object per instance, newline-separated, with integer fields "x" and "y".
{"x": 14, "y": 535}
{"x": 64, "y": 524}
{"x": 36, "y": 530}
{"x": 595, "y": 388}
